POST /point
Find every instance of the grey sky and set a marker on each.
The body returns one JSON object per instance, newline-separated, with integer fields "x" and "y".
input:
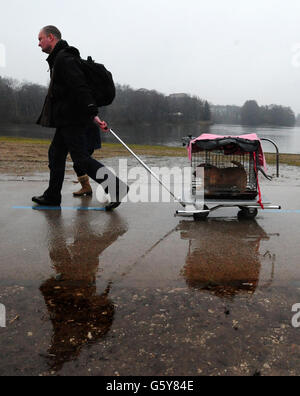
{"x": 226, "y": 51}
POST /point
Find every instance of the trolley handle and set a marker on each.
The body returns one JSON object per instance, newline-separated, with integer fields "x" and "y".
{"x": 277, "y": 153}
{"x": 186, "y": 140}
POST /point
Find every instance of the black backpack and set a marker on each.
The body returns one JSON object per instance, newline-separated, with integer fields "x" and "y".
{"x": 100, "y": 81}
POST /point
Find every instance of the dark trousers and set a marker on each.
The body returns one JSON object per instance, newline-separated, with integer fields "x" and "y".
{"x": 81, "y": 172}
{"x": 72, "y": 140}
{"x": 92, "y": 137}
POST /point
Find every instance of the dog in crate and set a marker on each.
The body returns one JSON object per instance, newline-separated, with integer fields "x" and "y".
{"x": 232, "y": 179}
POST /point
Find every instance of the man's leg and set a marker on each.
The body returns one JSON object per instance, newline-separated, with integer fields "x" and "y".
{"x": 57, "y": 161}
{"x": 75, "y": 140}
{"x": 84, "y": 180}
{"x": 77, "y": 168}
{"x": 58, "y": 152}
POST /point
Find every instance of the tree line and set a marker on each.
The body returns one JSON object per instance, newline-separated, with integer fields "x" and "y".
{"x": 149, "y": 106}
{"x": 252, "y": 114}
{"x": 22, "y": 103}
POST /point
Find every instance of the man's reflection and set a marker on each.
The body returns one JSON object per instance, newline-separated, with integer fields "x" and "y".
{"x": 224, "y": 256}
{"x": 78, "y": 314}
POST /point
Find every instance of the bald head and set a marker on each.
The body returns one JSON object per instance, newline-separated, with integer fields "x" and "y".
{"x": 48, "y": 38}
{"x": 50, "y": 29}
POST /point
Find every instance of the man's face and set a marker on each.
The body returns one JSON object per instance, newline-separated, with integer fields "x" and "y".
{"x": 46, "y": 42}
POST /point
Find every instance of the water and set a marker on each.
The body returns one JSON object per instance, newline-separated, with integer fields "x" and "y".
{"x": 288, "y": 139}
{"x": 26, "y": 131}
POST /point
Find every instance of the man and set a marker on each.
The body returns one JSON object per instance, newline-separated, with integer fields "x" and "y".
{"x": 71, "y": 109}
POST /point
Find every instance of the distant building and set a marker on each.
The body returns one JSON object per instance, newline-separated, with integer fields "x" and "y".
{"x": 178, "y": 96}
{"x": 144, "y": 90}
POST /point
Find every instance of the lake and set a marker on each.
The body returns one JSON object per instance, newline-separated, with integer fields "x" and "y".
{"x": 288, "y": 139}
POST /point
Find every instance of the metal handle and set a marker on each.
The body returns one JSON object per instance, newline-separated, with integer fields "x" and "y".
{"x": 103, "y": 125}
{"x": 277, "y": 153}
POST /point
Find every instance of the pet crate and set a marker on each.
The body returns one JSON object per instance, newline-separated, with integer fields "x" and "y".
{"x": 225, "y": 173}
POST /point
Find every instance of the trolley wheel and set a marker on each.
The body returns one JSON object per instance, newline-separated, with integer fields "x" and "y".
{"x": 247, "y": 213}
{"x": 201, "y": 216}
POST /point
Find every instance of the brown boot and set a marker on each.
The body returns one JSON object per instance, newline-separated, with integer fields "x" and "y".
{"x": 86, "y": 187}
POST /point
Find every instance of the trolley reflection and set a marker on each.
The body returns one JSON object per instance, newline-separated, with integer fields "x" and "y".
{"x": 225, "y": 257}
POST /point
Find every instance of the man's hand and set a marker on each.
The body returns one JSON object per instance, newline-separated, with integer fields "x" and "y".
{"x": 102, "y": 124}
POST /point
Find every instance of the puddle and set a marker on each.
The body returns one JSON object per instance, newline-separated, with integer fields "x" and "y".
{"x": 233, "y": 265}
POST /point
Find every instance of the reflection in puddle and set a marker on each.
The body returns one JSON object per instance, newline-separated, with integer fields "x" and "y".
{"x": 224, "y": 257}
{"x": 78, "y": 314}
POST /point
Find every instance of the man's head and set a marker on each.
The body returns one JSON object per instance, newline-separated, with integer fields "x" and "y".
{"x": 48, "y": 38}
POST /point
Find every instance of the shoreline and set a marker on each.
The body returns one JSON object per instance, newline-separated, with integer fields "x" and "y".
{"x": 27, "y": 155}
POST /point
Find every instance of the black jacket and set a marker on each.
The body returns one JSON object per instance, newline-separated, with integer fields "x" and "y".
{"x": 69, "y": 98}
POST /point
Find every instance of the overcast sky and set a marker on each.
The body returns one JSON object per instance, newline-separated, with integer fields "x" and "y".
{"x": 225, "y": 51}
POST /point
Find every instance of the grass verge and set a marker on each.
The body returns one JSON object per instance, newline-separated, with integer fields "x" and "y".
{"x": 22, "y": 155}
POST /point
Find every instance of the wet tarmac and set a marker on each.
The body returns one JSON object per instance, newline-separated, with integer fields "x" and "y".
{"x": 140, "y": 292}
